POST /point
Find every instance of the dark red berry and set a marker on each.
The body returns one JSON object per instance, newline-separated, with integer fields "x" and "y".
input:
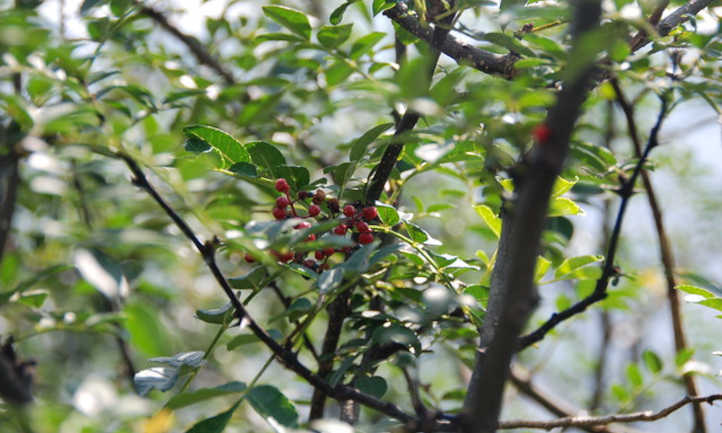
{"x": 329, "y": 251}
{"x": 303, "y": 195}
{"x": 279, "y": 213}
{"x": 541, "y": 133}
{"x": 314, "y": 210}
{"x": 286, "y": 257}
{"x": 349, "y": 210}
{"x": 332, "y": 204}
{"x": 319, "y": 255}
{"x": 302, "y": 225}
{"x": 370, "y": 213}
{"x": 298, "y": 257}
{"x": 319, "y": 197}
{"x": 282, "y": 185}
{"x": 282, "y": 201}
{"x": 347, "y": 250}
{"x": 311, "y": 237}
{"x": 362, "y": 227}
{"x": 309, "y": 263}
{"x": 249, "y": 258}
{"x": 365, "y": 238}
{"x": 340, "y": 229}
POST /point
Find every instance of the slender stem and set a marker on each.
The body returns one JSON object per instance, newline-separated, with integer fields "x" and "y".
{"x": 206, "y": 355}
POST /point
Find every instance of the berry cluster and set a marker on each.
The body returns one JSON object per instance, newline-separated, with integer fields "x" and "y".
{"x": 355, "y": 220}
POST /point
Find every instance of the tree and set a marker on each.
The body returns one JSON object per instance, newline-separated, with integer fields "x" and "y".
{"x": 287, "y": 158}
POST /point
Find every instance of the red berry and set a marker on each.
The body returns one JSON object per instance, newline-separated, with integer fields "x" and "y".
{"x": 282, "y": 201}
{"x": 370, "y": 213}
{"x": 329, "y": 251}
{"x": 332, "y": 204}
{"x": 347, "y": 250}
{"x": 541, "y": 133}
{"x": 249, "y": 258}
{"x": 309, "y": 263}
{"x": 282, "y": 185}
{"x": 303, "y": 195}
{"x": 311, "y": 237}
{"x": 349, "y": 210}
{"x": 279, "y": 213}
{"x": 319, "y": 255}
{"x": 302, "y": 225}
{"x": 340, "y": 229}
{"x": 362, "y": 227}
{"x": 314, "y": 210}
{"x": 319, "y": 197}
{"x": 365, "y": 238}
{"x": 286, "y": 257}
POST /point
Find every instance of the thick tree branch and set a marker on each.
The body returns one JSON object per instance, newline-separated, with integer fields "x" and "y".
{"x": 589, "y": 421}
{"x": 600, "y": 290}
{"x": 198, "y": 50}
{"x": 513, "y": 294}
{"x": 667, "y": 258}
{"x": 287, "y": 357}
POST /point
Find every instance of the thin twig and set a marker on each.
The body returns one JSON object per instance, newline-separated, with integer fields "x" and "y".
{"x": 600, "y": 290}
{"x": 587, "y": 421}
{"x": 666, "y": 255}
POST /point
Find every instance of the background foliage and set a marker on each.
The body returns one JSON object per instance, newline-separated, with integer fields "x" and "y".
{"x": 215, "y": 101}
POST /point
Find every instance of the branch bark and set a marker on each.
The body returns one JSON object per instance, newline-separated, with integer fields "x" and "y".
{"x": 513, "y": 294}
{"x": 666, "y": 256}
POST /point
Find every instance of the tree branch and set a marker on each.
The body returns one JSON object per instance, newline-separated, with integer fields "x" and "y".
{"x": 198, "y": 50}
{"x": 667, "y": 258}
{"x": 284, "y": 355}
{"x": 600, "y": 290}
{"x": 513, "y": 294}
{"x": 589, "y": 421}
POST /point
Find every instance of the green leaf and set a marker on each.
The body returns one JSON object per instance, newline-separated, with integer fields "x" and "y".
{"x": 365, "y": 44}
{"x": 596, "y": 156}
{"x": 268, "y": 401}
{"x": 490, "y": 218}
{"x": 562, "y": 206}
{"x": 251, "y": 280}
{"x": 652, "y": 361}
{"x": 634, "y": 375}
{"x": 15, "y": 108}
{"x": 358, "y": 149}
{"x": 241, "y": 340}
{"x": 215, "y": 424}
{"x": 146, "y": 332}
{"x": 292, "y": 19}
{"x": 228, "y": 147}
{"x": 397, "y": 334}
{"x": 192, "y": 397}
{"x": 244, "y": 169}
{"x": 333, "y": 36}
{"x": 160, "y": 378}
{"x": 387, "y": 214}
{"x": 89, "y": 4}
{"x": 330, "y": 279}
{"x": 508, "y": 42}
{"x": 192, "y": 359}
{"x": 542, "y": 266}
{"x": 373, "y": 385}
{"x": 297, "y": 177}
{"x": 416, "y": 233}
{"x": 337, "y": 73}
{"x": 337, "y": 14}
{"x": 714, "y": 303}
{"x": 379, "y": 6}
{"x": 216, "y": 315}
{"x": 266, "y": 156}
{"x": 683, "y": 356}
{"x": 571, "y": 267}
{"x": 694, "y": 290}
{"x": 562, "y": 186}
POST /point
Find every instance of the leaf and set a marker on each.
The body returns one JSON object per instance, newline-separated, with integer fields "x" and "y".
{"x": 268, "y": 401}
{"x": 241, "y": 340}
{"x": 337, "y": 73}
{"x": 379, "y": 6}
{"x": 192, "y": 397}
{"x": 337, "y": 14}
{"x": 562, "y": 186}
{"x": 146, "y": 333}
{"x": 694, "y": 290}
{"x": 562, "y": 206}
{"x": 397, "y": 334}
{"x": 542, "y": 266}
{"x": 228, "y": 147}
{"x": 102, "y": 272}
{"x": 330, "y": 279}
{"x": 387, "y": 214}
{"x": 214, "y": 424}
{"x": 490, "y": 218}
{"x": 358, "y": 149}
{"x": 373, "y": 385}
{"x": 333, "y": 36}
{"x": 297, "y": 177}
{"x": 216, "y": 315}
{"x": 292, "y": 19}
{"x": 652, "y": 361}
{"x": 251, "y": 280}
{"x": 244, "y": 169}
{"x": 683, "y": 356}
{"x": 365, "y": 44}
{"x": 160, "y": 378}
{"x": 634, "y": 375}
{"x": 191, "y": 359}
{"x": 714, "y": 303}
{"x": 570, "y": 267}
{"x": 266, "y": 156}
{"x": 508, "y": 42}
{"x": 89, "y": 4}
